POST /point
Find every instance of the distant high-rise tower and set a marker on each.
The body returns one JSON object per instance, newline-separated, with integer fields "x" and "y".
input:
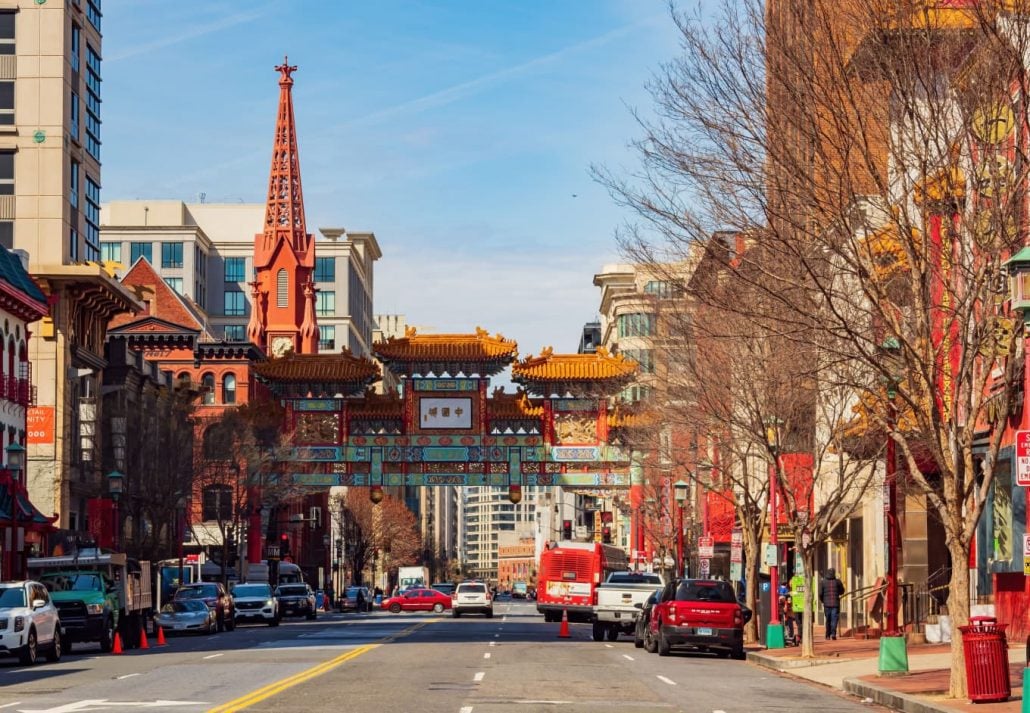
{"x": 282, "y": 317}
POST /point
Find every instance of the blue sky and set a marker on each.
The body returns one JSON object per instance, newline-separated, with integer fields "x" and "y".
{"x": 459, "y": 132}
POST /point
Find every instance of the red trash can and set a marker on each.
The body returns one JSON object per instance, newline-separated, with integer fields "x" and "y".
{"x": 987, "y": 660}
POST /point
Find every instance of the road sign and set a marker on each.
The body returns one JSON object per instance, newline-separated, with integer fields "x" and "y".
{"x": 705, "y": 568}
{"x": 736, "y": 553}
{"x": 771, "y": 556}
{"x": 705, "y": 547}
{"x": 737, "y": 536}
{"x": 1023, "y": 458}
{"x": 736, "y": 571}
{"x": 272, "y": 552}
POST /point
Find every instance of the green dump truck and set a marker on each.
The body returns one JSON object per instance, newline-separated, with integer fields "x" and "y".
{"x": 96, "y": 594}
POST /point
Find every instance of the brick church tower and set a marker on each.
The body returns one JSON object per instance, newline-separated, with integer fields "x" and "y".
{"x": 282, "y": 317}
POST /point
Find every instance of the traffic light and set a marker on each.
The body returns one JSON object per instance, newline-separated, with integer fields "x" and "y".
{"x": 284, "y": 545}
{"x": 566, "y": 529}
{"x": 606, "y": 534}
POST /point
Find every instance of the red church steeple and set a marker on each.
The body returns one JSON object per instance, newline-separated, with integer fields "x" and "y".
{"x": 282, "y": 315}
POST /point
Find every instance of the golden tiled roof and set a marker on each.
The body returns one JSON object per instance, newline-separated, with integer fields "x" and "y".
{"x": 514, "y": 406}
{"x": 477, "y": 347}
{"x": 632, "y": 417}
{"x": 313, "y": 368}
{"x": 549, "y": 366}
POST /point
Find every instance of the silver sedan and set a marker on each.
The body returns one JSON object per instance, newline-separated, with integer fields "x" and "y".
{"x": 187, "y": 615}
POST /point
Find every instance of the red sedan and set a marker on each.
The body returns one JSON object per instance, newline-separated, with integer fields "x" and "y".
{"x": 418, "y": 600}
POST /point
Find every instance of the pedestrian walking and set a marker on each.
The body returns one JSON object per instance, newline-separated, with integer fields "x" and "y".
{"x": 359, "y": 602}
{"x": 831, "y": 589}
{"x": 789, "y": 620}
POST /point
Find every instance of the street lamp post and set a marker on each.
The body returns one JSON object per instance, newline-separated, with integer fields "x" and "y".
{"x": 680, "y": 491}
{"x": 180, "y": 530}
{"x": 16, "y": 464}
{"x": 893, "y": 654}
{"x": 115, "y": 483}
{"x": 774, "y": 630}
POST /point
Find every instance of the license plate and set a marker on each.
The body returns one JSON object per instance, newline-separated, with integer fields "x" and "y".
{"x": 704, "y": 631}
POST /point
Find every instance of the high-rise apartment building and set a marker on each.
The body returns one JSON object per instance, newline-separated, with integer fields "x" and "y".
{"x": 50, "y": 156}
{"x": 485, "y": 514}
{"x": 205, "y": 251}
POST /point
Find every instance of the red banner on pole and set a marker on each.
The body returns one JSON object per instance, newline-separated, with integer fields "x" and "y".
{"x": 100, "y": 518}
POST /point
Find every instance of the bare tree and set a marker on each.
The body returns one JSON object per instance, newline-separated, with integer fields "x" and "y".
{"x": 871, "y": 150}
{"x": 370, "y": 530}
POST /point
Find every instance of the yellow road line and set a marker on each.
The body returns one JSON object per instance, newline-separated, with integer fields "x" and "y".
{"x": 273, "y": 688}
{"x": 249, "y": 699}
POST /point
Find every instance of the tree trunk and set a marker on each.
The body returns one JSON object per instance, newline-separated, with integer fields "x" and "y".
{"x": 752, "y": 564}
{"x": 808, "y": 615}
{"x": 958, "y": 610}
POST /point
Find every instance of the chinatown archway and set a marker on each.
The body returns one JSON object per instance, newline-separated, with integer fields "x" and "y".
{"x": 444, "y": 426}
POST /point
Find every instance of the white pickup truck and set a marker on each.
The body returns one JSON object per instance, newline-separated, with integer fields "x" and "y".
{"x": 618, "y": 598}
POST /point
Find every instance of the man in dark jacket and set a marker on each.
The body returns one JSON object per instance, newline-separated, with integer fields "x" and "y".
{"x": 831, "y": 589}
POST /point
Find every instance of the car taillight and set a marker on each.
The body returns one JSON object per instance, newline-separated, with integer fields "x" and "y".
{"x": 738, "y": 618}
{"x": 672, "y": 613}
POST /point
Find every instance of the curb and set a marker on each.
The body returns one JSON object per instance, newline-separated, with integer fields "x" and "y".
{"x": 892, "y": 699}
{"x": 777, "y": 663}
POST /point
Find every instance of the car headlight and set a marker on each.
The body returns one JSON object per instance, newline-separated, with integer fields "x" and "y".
{"x": 19, "y": 623}
{"x": 94, "y": 608}
{"x": 270, "y": 603}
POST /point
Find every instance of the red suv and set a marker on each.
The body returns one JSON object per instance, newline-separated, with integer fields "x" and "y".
{"x": 699, "y": 613}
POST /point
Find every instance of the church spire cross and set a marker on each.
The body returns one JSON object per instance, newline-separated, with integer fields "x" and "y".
{"x": 284, "y": 206}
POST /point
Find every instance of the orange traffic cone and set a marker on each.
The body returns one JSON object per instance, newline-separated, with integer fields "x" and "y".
{"x": 563, "y": 632}
{"x": 161, "y": 637}
{"x": 117, "y": 648}
{"x": 143, "y": 643}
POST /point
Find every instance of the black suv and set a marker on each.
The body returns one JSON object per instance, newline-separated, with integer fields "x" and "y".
{"x": 296, "y": 600}
{"x": 214, "y": 595}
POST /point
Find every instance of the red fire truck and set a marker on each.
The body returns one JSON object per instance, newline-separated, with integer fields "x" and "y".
{"x": 568, "y": 577}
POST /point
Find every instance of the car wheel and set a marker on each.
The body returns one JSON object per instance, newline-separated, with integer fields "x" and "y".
{"x": 638, "y": 643}
{"x": 598, "y": 631}
{"x": 438, "y": 607}
{"x": 54, "y": 654}
{"x": 456, "y": 614}
{"x": 66, "y": 647}
{"x": 649, "y": 643}
{"x": 663, "y": 644}
{"x": 489, "y": 613}
{"x": 29, "y": 651}
{"x": 395, "y": 608}
{"x": 613, "y": 633}
{"x": 738, "y": 653}
{"x": 107, "y": 638}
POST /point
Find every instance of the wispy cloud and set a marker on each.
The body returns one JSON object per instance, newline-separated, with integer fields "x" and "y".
{"x": 195, "y": 31}
{"x": 465, "y": 89}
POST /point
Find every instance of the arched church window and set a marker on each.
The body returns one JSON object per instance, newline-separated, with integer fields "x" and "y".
{"x": 229, "y": 389}
{"x": 282, "y": 285}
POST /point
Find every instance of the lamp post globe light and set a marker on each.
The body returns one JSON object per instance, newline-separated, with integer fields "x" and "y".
{"x": 115, "y": 483}
{"x": 774, "y": 630}
{"x": 680, "y": 488}
{"x": 15, "y": 465}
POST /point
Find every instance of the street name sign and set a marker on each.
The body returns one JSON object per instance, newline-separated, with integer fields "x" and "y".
{"x": 1023, "y": 458}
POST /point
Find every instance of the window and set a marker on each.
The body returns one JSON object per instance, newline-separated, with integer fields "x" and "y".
{"x": 282, "y": 287}
{"x": 235, "y": 333}
{"x": 92, "y": 219}
{"x": 175, "y": 283}
{"x": 93, "y": 13}
{"x": 325, "y": 304}
{"x": 234, "y": 303}
{"x": 73, "y": 245}
{"x": 6, "y": 173}
{"x": 643, "y": 357}
{"x": 73, "y": 184}
{"x": 234, "y": 269}
{"x": 92, "y": 102}
{"x": 111, "y": 252}
{"x": 207, "y": 382}
{"x": 636, "y": 325}
{"x": 229, "y": 389}
{"x": 6, "y": 33}
{"x": 326, "y": 337}
{"x": 325, "y": 269}
{"x": 76, "y": 46}
{"x": 144, "y": 250}
{"x": 6, "y": 103}
{"x": 171, "y": 254}
{"x": 75, "y": 121}
{"x": 7, "y": 234}
{"x": 217, "y": 504}
{"x": 636, "y": 393}
{"x": 663, "y": 289}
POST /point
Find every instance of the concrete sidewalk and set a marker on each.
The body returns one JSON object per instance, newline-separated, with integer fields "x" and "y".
{"x": 851, "y": 665}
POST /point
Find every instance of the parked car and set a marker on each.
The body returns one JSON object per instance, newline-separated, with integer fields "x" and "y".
{"x": 296, "y": 600}
{"x": 214, "y": 595}
{"x": 472, "y": 597}
{"x": 31, "y": 622}
{"x": 618, "y": 602}
{"x": 254, "y": 602}
{"x": 418, "y": 599}
{"x": 187, "y": 615}
{"x": 642, "y": 631}
{"x": 699, "y": 613}
{"x": 349, "y": 600}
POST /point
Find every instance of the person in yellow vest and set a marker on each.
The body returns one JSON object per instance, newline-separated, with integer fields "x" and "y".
{"x": 798, "y": 592}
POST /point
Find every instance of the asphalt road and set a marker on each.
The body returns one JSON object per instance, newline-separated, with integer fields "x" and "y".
{"x": 381, "y": 663}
